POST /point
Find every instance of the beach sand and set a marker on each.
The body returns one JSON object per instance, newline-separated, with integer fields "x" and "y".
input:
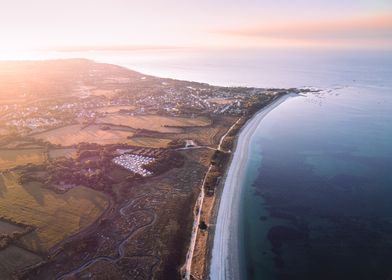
{"x": 225, "y": 263}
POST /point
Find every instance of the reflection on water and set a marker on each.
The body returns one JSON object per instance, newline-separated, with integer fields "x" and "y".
{"x": 252, "y": 67}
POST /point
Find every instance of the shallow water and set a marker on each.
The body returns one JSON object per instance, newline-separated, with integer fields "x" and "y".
{"x": 318, "y": 190}
{"x": 319, "y": 205}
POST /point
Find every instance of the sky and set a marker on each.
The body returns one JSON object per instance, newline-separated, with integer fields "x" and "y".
{"x": 99, "y": 24}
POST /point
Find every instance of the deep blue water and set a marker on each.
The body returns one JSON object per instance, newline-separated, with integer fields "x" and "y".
{"x": 317, "y": 201}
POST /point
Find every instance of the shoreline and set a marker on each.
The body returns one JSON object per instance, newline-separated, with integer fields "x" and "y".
{"x": 223, "y": 262}
{"x": 186, "y": 270}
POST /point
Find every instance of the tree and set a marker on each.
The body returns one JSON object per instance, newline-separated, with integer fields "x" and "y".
{"x": 203, "y": 225}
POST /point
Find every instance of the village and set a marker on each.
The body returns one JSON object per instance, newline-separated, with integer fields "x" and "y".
{"x": 132, "y": 154}
{"x": 172, "y": 100}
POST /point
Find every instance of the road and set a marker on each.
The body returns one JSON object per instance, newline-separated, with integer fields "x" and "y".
{"x": 186, "y": 269}
{"x": 224, "y": 136}
{"x": 121, "y": 246}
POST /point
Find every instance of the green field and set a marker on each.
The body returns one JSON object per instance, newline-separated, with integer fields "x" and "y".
{"x": 3, "y": 131}
{"x": 75, "y": 134}
{"x": 114, "y": 109}
{"x": 58, "y": 153}
{"x": 163, "y": 124}
{"x": 149, "y": 142}
{"x": 13, "y": 158}
{"x": 9, "y": 228}
{"x": 55, "y": 216}
{"x": 13, "y": 259}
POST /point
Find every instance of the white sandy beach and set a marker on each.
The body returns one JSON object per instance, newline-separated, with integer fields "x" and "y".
{"x": 224, "y": 261}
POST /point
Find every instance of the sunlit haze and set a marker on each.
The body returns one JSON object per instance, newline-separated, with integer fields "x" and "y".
{"x": 204, "y": 139}
{"x": 73, "y": 25}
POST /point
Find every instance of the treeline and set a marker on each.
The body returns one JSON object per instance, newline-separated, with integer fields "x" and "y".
{"x": 176, "y": 143}
{"x": 90, "y": 168}
{"x": 165, "y": 162}
{"x": 8, "y": 238}
{"x": 93, "y": 167}
{"x": 142, "y": 132}
{"x": 219, "y": 162}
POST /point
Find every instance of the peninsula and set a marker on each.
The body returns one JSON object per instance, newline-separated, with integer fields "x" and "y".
{"x": 107, "y": 173}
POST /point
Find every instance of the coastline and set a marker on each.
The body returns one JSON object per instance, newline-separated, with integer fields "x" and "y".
{"x": 223, "y": 262}
{"x": 186, "y": 271}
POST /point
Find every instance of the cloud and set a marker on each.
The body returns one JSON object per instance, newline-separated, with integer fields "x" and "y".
{"x": 109, "y": 48}
{"x": 376, "y": 29}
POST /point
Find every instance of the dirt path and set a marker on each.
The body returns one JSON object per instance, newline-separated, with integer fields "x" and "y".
{"x": 187, "y": 267}
{"x": 224, "y": 136}
{"x": 121, "y": 246}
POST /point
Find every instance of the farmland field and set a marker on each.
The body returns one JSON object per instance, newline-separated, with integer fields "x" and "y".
{"x": 13, "y": 259}
{"x": 9, "y": 228}
{"x": 103, "y": 92}
{"x": 21, "y": 144}
{"x": 3, "y": 131}
{"x": 13, "y": 158}
{"x": 221, "y": 101}
{"x": 55, "y": 216}
{"x": 114, "y": 109}
{"x": 149, "y": 142}
{"x": 66, "y": 152}
{"x": 74, "y": 134}
{"x": 157, "y": 123}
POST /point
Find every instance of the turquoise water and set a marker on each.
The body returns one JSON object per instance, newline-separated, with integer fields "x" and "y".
{"x": 319, "y": 204}
{"x": 318, "y": 191}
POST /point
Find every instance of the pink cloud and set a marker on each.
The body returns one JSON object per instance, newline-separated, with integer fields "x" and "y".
{"x": 377, "y": 28}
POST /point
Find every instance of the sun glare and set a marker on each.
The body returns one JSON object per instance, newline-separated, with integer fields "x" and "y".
{"x": 18, "y": 53}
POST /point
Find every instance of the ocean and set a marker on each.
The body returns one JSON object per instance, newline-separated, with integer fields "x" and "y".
{"x": 252, "y": 67}
{"x": 316, "y": 200}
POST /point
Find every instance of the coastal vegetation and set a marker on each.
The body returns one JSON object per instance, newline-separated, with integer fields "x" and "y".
{"x": 150, "y": 142}
{"x": 62, "y": 152}
{"x": 78, "y": 133}
{"x": 10, "y": 158}
{"x": 163, "y": 124}
{"x": 13, "y": 260}
{"x": 68, "y": 202}
{"x": 53, "y": 216}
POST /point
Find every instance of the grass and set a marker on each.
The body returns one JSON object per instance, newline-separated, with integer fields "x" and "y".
{"x": 8, "y": 228}
{"x": 104, "y": 92}
{"x": 66, "y": 152}
{"x": 74, "y": 134}
{"x": 13, "y": 158}
{"x": 149, "y": 142}
{"x": 3, "y": 131}
{"x": 114, "y": 109}
{"x": 221, "y": 101}
{"x": 18, "y": 144}
{"x": 55, "y": 216}
{"x": 13, "y": 259}
{"x": 119, "y": 174}
{"x": 155, "y": 122}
